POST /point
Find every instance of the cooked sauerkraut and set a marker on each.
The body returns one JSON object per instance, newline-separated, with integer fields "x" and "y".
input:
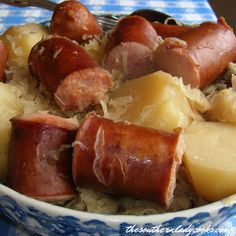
{"x": 20, "y": 94}
{"x": 100, "y": 202}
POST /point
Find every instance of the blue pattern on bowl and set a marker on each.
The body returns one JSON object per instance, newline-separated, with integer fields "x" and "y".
{"x": 59, "y": 224}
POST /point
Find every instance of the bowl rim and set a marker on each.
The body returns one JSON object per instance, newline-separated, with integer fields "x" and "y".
{"x": 109, "y": 218}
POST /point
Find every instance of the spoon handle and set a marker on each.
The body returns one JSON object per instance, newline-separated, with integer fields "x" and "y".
{"x": 46, "y": 4}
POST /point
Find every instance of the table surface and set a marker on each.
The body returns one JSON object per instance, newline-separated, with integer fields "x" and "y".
{"x": 187, "y": 11}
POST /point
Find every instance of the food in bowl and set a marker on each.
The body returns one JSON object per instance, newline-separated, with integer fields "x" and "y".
{"x": 156, "y": 103}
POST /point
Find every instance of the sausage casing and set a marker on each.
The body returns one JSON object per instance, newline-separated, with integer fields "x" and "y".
{"x": 126, "y": 159}
{"x": 133, "y": 29}
{"x": 200, "y": 55}
{"x": 69, "y": 73}
{"x": 73, "y": 20}
{"x": 39, "y": 161}
{"x": 165, "y": 30}
{"x": 129, "y": 49}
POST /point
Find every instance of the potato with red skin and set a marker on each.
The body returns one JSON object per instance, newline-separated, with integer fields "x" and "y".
{"x": 73, "y": 20}
{"x": 69, "y": 73}
{"x": 125, "y": 159}
{"x": 38, "y": 166}
{"x": 200, "y": 55}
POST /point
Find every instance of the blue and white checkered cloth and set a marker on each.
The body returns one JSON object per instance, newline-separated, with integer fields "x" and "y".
{"x": 187, "y": 11}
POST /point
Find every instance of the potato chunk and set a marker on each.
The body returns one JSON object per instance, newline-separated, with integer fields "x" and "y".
{"x": 20, "y": 39}
{"x": 10, "y": 106}
{"x": 223, "y": 106}
{"x": 155, "y": 100}
{"x": 210, "y": 158}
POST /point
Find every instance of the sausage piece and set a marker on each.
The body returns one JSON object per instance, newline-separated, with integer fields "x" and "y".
{"x": 200, "y": 55}
{"x": 73, "y": 20}
{"x": 130, "y": 47}
{"x": 133, "y": 29}
{"x": 39, "y": 161}
{"x": 125, "y": 159}
{"x": 131, "y": 59}
{"x": 69, "y": 73}
{"x": 165, "y": 30}
{"x": 4, "y": 53}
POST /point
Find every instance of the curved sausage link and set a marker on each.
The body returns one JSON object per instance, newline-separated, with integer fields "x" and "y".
{"x": 121, "y": 158}
{"x": 200, "y": 55}
{"x": 4, "y": 53}
{"x": 133, "y": 29}
{"x": 130, "y": 47}
{"x": 64, "y": 68}
{"x": 165, "y": 30}
{"x": 39, "y": 161}
{"x": 73, "y": 20}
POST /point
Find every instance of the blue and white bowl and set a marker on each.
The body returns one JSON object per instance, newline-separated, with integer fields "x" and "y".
{"x": 52, "y": 220}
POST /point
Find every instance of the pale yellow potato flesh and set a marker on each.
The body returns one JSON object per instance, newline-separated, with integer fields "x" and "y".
{"x": 155, "y": 100}
{"x": 10, "y": 106}
{"x": 20, "y": 39}
{"x": 210, "y": 158}
{"x": 223, "y": 106}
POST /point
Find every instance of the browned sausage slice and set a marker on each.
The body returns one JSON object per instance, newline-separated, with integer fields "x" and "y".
{"x": 126, "y": 159}
{"x": 4, "y": 53}
{"x": 200, "y": 56}
{"x": 82, "y": 88}
{"x": 73, "y": 20}
{"x": 130, "y": 47}
{"x": 39, "y": 162}
{"x": 69, "y": 73}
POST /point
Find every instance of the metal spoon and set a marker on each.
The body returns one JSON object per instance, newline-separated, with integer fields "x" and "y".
{"x": 155, "y": 16}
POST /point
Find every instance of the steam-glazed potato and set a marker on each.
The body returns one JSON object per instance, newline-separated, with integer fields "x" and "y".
{"x": 223, "y": 106}
{"x": 155, "y": 100}
{"x": 210, "y": 158}
{"x": 20, "y": 39}
{"x": 10, "y": 106}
